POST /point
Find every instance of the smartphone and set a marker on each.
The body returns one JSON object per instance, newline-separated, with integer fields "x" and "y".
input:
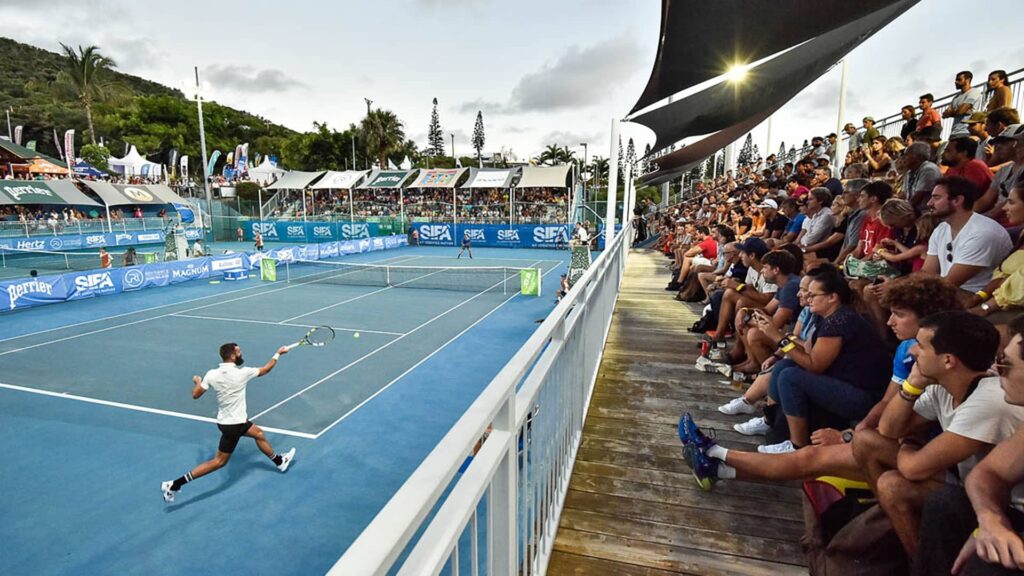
{"x": 877, "y": 280}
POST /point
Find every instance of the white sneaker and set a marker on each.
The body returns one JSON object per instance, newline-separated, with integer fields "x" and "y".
{"x": 737, "y": 406}
{"x": 780, "y": 448}
{"x": 165, "y": 487}
{"x": 286, "y": 459}
{"x": 753, "y": 427}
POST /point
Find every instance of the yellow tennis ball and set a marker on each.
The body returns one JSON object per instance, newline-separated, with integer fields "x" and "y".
{"x": 356, "y": 335}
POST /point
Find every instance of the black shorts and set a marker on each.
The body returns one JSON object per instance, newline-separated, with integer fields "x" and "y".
{"x": 465, "y": 245}
{"x": 230, "y": 434}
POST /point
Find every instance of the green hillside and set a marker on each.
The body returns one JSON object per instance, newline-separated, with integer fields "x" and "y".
{"x": 153, "y": 117}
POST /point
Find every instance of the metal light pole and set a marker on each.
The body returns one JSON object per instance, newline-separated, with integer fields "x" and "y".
{"x": 354, "y": 152}
{"x": 202, "y": 146}
{"x": 453, "y": 147}
{"x": 584, "y": 144}
{"x": 842, "y": 112}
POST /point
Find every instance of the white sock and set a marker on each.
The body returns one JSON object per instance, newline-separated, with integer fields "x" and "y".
{"x": 717, "y": 452}
{"x": 725, "y": 471}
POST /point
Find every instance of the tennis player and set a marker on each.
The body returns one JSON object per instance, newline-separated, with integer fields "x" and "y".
{"x": 466, "y": 245}
{"x": 230, "y": 380}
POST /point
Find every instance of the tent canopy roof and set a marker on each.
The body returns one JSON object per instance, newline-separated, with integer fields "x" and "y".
{"x": 545, "y": 176}
{"x": 43, "y": 192}
{"x": 339, "y": 180}
{"x": 491, "y": 177}
{"x": 745, "y": 31}
{"x": 386, "y": 179}
{"x": 295, "y": 180}
{"x": 438, "y": 178}
{"x": 131, "y": 194}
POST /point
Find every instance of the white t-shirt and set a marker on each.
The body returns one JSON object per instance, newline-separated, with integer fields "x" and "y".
{"x": 758, "y": 283}
{"x": 985, "y": 416}
{"x": 972, "y": 97}
{"x": 583, "y": 234}
{"x": 229, "y": 381}
{"x": 981, "y": 242}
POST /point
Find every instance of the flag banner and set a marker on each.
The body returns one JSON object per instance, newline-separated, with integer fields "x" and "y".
{"x": 31, "y": 145}
{"x": 213, "y": 162}
{"x": 17, "y": 135}
{"x": 184, "y": 166}
{"x": 243, "y": 158}
{"x": 69, "y": 147}
{"x": 529, "y": 282}
{"x": 268, "y": 270}
{"x": 237, "y": 156}
{"x": 56, "y": 143}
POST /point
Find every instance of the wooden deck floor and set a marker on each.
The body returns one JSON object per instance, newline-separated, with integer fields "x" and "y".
{"x": 632, "y": 507}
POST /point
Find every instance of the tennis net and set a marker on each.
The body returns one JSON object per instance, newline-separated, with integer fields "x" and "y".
{"x": 458, "y": 278}
{"x": 55, "y": 260}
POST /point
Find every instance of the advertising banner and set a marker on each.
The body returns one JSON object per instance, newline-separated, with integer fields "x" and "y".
{"x": 268, "y": 270}
{"x": 307, "y": 232}
{"x": 495, "y": 235}
{"x": 529, "y": 281}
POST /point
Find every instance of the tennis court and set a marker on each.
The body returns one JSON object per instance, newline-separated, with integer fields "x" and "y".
{"x": 97, "y": 410}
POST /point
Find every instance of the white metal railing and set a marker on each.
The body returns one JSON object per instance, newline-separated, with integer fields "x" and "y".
{"x": 59, "y": 226}
{"x": 501, "y": 515}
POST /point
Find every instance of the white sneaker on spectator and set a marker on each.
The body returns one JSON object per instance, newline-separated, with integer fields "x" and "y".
{"x": 753, "y": 427}
{"x": 780, "y": 448}
{"x": 718, "y": 355}
{"x": 737, "y": 406}
{"x": 702, "y": 361}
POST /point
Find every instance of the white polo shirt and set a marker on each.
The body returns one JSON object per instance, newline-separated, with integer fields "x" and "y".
{"x": 229, "y": 381}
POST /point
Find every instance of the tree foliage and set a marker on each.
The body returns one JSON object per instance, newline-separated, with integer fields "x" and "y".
{"x": 435, "y": 137}
{"x": 478, "y": 134}
{"x": 96, "y": 155}
{"x": 383, "y": 134}
{"x": 746, "y": 155}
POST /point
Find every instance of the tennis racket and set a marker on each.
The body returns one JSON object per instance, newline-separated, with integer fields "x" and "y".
{"x": 318, "y": 336}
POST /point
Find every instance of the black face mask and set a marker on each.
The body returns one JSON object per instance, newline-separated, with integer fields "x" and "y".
{"x": 239, "y": 361}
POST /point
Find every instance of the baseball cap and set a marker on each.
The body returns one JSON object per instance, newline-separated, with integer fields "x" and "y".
{"x": 754, "y": 246}
{"x": 869, "y": 119}
{"x": 976, "y": 118}
{"x": 1010, "y": 133}
{"x": 769, "y": 203}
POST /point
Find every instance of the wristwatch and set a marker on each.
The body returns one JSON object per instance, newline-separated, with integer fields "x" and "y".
{"x": 847, "y": 436}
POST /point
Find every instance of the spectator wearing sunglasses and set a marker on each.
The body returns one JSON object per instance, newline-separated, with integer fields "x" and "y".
{"x": 966, "y": 247}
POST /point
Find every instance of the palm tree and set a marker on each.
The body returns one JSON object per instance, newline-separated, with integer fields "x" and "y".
{"x": 565, "y": 155}
{"x": 84, "y": 77}
{"x": 550, "y": 155}
{"x": 384, "y": 134}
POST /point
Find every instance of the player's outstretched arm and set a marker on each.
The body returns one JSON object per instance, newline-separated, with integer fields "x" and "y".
{"x": 266, "y": 368}
{"x": 197, "y": 389}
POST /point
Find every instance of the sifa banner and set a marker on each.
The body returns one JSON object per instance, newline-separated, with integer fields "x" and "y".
{"x": 495, "y": 235}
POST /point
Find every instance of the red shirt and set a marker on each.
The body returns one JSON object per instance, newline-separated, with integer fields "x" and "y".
{"x": 799, "y": 192}
{"x": 928, "y": 118}
{"x": 873, "y": 232}
{"x": 709, "y": 248}
{"x": 976, "y": 171}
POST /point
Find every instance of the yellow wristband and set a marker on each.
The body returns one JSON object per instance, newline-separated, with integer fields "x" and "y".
{"x": 912, "y": 390}
{"x": 741, "y": 287}
{"x": 975, "y": 533}
{"x": 982, "y": 294}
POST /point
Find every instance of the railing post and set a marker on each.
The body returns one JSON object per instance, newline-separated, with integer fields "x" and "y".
{"x": 502, "y": 515}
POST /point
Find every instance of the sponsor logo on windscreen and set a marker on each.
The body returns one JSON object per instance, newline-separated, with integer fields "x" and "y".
{"x": 97, "y": 282}
{"x": 378, "y": 243}
{"x": 364, "y": 245}
{"x": 508, "y": 235}
{"x": 16, "y": 192}
{"x": 329, "y": 250}
{"x": 137, "y": 194}
{"x": 16, "y": 291}
{"x": 96, "y": 240}
{"x": 56, "y": 243}
{"x": 475, "y": 234}
{"x": 158, "y": 276}
{"x": 436, "y": 233}
{"x": 31, "y": 245}
{"x": 267, "y": 229}
{"x": 322, "y": 232}
{"x": 355, "y": 231}
{"x": 134, "y": 279}
{"x": 190, "y": 271}
{"x": 123, "y": 237}
{"x": 150, "y": 237}
{"x": 388, "y": 179}
{"x": 296, "y": 231}
{"x": 551, "y": 235}
{"x": 226, "y": 264}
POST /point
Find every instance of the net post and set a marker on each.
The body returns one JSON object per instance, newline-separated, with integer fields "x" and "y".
{"x": 504, "y": 281}
{"x": 287, "y": 272}
{"x": 67, "y": 262}
{"x": 387, "y": 277}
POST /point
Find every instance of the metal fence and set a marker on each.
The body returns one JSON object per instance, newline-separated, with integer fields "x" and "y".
{"x": 501, "y": 514}
{"x": 58, "y": 227}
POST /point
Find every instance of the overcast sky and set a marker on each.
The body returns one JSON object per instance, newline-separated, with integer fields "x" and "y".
{"x": 542, "y": 72}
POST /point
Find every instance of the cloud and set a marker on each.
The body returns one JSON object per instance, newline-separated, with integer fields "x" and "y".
{"x": 449, "y": 4}
{"x": 569, "y": 138}
{"x": 579, "y": 78}
{"x": 248, "y": 79}
{"x": 132, "y": 54}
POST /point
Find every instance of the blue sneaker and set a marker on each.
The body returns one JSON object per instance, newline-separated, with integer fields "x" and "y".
{"x": 704, "y": 467}
{"x": 690, "y": 434}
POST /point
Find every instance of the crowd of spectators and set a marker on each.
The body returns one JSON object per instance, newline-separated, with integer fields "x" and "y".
{"x": 874, "y": 317}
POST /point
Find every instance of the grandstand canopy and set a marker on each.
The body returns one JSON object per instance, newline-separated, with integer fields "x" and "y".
{"x": 43, "y": 192}
{"x": 491, "y": 177}
{"x": 545, "y": 177}
{"x": 700, "y": 40}
{"x": 438, "y": 178}
{"x": 295, "y": 180}
{"x": 339, "y": 180}
{"x": 132, "y": 194}
{"x": 386, "y": 179}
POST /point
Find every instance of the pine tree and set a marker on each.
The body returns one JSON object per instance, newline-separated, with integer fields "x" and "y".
{"x": 782, "y": 153}
{"x": 478, "y": 135}
{"x": 746, "y": 152}
{"x": 435, "y": 137}
{"x": 791, "y": 157}
{"x": 705, "y": 168}
{"x": 721, "y": 164}
{"x": 631, "y": 155}
{"x": 645, "y": 166}
{"x": 621, "y": 158}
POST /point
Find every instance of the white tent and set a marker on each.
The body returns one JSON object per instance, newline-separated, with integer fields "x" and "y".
{"x": 134, "y": 164}
{"x": 266, "y": 172}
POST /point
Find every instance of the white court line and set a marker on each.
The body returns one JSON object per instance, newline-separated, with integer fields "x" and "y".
{"x": 247, "y": 321}
{"x": 425, "y": 358}
{"x": 146, "y": 320}
{"x": 374, "y": 351}
{"x": 142, "y": 408}
{"x": 166, "y": 305}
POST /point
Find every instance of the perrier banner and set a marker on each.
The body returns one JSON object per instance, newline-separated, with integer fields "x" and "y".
{"x": 268, "y": 270}
{"x": 529, "y": 281}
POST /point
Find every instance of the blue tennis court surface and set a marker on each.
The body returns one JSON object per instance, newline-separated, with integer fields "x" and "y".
{"x": 96, "y": 410}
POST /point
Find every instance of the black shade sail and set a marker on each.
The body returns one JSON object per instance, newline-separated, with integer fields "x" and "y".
{"x": 701, "y": 39}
